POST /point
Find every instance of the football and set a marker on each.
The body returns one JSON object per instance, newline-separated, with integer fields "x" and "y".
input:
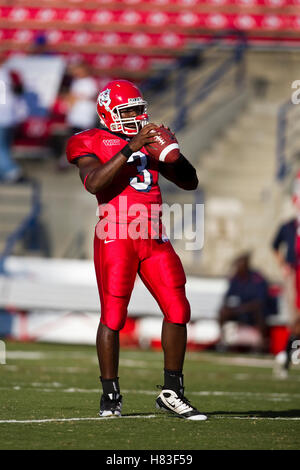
{"x": 165, "y": 148}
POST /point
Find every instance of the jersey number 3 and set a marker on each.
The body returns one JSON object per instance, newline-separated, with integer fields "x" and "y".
{"x": 144, "y": 183}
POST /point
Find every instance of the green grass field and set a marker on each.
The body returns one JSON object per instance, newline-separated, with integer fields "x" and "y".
{"x": 247, "y": 407}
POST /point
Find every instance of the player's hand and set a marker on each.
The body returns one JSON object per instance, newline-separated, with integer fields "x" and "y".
{"x": 144, "y": 137}
{"x": 167, "y": 127}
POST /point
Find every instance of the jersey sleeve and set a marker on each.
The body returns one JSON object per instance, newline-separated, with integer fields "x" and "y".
{"x": 79, "y": 145}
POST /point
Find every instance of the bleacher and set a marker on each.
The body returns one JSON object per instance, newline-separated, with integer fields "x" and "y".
{"x": 245, "y": 199}
{"x": 197, "y": 85}
{"x": 133, "y": 36}
{"x": 134, "y": 39}
{"x": 203, "y": 122}
{"x": 203, "y": 113}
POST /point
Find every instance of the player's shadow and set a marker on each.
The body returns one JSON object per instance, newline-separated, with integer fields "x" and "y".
{"x": 235, "y": 414}
{"x": 259, "y": 413}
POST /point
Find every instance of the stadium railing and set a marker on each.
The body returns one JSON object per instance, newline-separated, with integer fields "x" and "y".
{"x": 187, "y": 95}
{"x": 288, "y": 144}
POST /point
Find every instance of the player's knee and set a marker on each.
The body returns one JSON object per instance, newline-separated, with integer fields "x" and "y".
{"x": 179, "y": 312}
{"x": 116, "y": 323}
{"x": 114, "y": 315}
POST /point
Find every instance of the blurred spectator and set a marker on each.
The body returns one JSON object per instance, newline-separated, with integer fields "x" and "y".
{"x": 245, "y": 301}
{"x": 81, "y": 103}
{"x": 59, "y": 131}
{"x": 83, "y": 91}
{"x": 286, "y": 246}
{"x": 14, "y": 111}
{"x": 40, "y": 46}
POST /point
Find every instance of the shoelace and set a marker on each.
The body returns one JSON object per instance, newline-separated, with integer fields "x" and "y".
{"x": 181, "y": 402}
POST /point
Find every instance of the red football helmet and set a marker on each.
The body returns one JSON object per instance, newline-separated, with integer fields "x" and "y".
{"x": 116, "y": 96}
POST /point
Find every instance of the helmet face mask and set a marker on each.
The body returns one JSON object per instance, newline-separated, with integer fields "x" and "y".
{"x": 115, "y": 107}
{"x": 130, "y": 125}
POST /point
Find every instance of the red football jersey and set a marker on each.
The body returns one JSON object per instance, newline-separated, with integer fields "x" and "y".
{"x": 135, "y": 190}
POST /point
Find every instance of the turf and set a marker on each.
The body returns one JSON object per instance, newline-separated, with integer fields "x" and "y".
{"x": 247, "y": 407}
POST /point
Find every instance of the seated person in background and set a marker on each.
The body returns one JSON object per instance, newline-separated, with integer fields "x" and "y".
{"x": 246, "y": 299}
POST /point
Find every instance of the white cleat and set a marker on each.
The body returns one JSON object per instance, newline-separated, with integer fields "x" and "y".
{"x": 168, "y": 400}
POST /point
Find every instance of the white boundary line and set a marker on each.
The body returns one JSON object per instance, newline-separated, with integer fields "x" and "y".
{"x": 66, "y": 420}
{"x": 63, "y": 420}
{"x": 267, "y": 417}
{"x": 58, "y": 388}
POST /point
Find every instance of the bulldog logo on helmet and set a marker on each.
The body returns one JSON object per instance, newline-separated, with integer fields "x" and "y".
{"x": 104, "y": 98}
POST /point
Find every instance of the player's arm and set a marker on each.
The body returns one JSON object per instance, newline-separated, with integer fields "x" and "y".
{"x": 181, "y": 172}
{"x": 97, "y": 176}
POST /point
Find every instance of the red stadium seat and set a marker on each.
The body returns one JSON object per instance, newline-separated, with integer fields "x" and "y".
{"x": 135, "y": 33}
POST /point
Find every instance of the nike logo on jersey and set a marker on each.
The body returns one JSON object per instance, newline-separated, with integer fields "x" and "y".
{"x": 111, "y": 142}
{"x": 108, "y": 241}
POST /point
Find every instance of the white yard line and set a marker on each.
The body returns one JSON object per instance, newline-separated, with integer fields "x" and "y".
{"x": 26, "y": 355}
{"x": 245, "y": 394}
{"x": 38, "y": 355}
{"x": 266, "y": 417}
{"x": 139, "y": 364}
{"x": 236, "y": 361}
{"x": 55, "y": 387}
{"x": 244, "y": 361}
{"x": 63, "y": 420}
{"x": 151, "y": 416}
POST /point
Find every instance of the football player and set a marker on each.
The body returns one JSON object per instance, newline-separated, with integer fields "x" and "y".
{"x": 115, "y": 166}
